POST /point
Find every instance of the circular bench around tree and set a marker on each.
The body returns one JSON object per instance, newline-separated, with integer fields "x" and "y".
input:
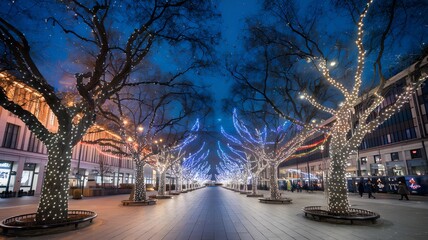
{"x": 275, "y": 201}
{"x": 138, "y": 203}
{"x": 355, "y": 214}
{"x": 255, "y": 195}
{"x": 27, "y": 222}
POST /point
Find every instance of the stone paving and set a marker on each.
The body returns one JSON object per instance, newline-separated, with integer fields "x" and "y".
{"x": 217, "y": 213}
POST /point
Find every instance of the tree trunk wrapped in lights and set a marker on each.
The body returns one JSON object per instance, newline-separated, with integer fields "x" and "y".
{"x": 140, "y": 185}
{"x": 180, "y": 183}
{"x": 245, "y": 180}
{"x": 367, "y": 120}
{"x": 162, "y": 183}
{"x": 54, "y": 196}
{"x": 273, "y": 181}
{"x": 254, "y": 183}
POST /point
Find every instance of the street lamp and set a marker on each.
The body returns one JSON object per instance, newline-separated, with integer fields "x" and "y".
{"x": 324, "y": 167}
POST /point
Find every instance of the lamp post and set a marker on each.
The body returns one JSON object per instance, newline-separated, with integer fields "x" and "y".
{"x": 323, "y": 170}
{"x": 78, "y": 175}
{"x": 358, "y": 166}
{"x": 309, "y": 176}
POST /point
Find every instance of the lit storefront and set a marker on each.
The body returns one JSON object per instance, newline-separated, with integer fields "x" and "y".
{"x": 29, "y": 178}
{"x": 5, "y": 176}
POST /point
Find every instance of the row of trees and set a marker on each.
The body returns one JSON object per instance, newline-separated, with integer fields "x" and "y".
{"x": 295, "y": 72}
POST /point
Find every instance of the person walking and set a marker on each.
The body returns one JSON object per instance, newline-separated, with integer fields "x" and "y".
{"x": 361, "y": 188}
{"x": 370, "y": 189}
{"x": 402, "y": 190}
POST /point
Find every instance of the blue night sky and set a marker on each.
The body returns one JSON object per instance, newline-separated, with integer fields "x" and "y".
{"x": 233, "y": 17}
{"x": 53, "y": 61}
{"x": 233, "y": 14}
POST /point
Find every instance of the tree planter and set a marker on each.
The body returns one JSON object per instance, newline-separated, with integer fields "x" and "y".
{"x": 139, "y": 203}
{"x": 160, "y": 197}
{"x": 276, "y": 200}
{"x": 361, "y": 215}
{"x": 24, "y": 223}
{"x": 77, "y": 194}
{"x": 245, "y": 192}
{"x": 255, "y": 195}
{"x": 163, "y": 196}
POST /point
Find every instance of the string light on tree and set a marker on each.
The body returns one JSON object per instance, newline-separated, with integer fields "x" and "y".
{"x": 341, "y": 145}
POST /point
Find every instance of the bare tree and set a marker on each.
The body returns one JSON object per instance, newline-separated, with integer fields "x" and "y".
{"x": 171, "y": 151}
{"x": 113, "y": 56}
{"x": 358, "y": 123}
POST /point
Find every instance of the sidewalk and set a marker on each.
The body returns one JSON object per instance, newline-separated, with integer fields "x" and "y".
{"x": 217, "y": 213}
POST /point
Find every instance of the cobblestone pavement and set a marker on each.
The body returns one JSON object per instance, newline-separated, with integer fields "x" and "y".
{"x": 217, "y": 213}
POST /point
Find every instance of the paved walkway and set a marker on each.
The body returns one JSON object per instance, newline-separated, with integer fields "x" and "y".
{"x": 217, "y": 213}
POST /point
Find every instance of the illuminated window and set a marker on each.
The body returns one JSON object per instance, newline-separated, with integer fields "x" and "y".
{"x": 377, "y": 159}
{"x": 415, "y": 153}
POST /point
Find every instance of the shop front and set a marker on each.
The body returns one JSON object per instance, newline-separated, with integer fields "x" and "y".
{"x": 7, "y": 178}
{"x": 396, "y": 168}
{"x": 29, "y": 179}
{"x": 377, "y": 169}
{"x": 417, "y": 167}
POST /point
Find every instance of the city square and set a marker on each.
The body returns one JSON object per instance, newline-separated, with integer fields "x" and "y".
{"x": 188, "y": 119}
{"x": 217, "y": 213}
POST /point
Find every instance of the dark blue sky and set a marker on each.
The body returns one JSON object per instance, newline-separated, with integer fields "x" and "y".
{"x": 233, "y": 26}
{"x": 54, "y": 63}
{"x": 233, "y": 14}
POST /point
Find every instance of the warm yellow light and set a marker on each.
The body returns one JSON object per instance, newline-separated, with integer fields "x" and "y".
{"x": 130, "y": 139}
{"x": 140, "y": 128}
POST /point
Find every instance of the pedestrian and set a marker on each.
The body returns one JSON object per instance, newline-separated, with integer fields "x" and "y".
{"x": 403, "y": 191}
{"x": 361, "y": 188}
{"x": 370, "y": 189}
